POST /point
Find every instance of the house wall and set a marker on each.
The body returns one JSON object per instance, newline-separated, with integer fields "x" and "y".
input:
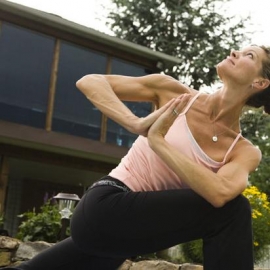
{"x": 52, "y": 139}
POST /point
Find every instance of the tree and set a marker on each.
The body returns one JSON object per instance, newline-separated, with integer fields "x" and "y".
{"x": 256, "y": 128}
{"x": 191, "y": 30}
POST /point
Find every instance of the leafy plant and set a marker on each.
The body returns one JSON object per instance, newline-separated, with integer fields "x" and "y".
{"x": 193, "y": 251}
{"x": 261, "y": 221}
{"x": 1, "y": 220}
{"x": 255, "y": 127}
{"x": 261, "y": 228}
{"x": 43, "y": 226}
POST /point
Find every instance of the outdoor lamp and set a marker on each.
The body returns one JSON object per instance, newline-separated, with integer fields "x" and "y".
{"x": 66, "y": 204}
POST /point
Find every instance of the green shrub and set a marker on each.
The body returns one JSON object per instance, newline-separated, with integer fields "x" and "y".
{"x": 43, "y": 226}
{"x": 193, "y": 251}
{"x": 1, "y": 220}
{"x": 261, "y": 229}
{"x": 260, "y": 221}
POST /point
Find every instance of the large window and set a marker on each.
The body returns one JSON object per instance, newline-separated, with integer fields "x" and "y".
{"x": 73, "y": 113}
{"x": 115, "y": 133}
{"x": 25, "y": 68}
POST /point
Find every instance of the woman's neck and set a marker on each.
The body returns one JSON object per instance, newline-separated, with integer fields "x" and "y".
{"x": 225, "y": 107}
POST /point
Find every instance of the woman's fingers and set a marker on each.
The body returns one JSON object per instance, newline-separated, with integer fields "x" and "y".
{"x": 179, "y": 104}
{"x": 147, "y": 121}
{"x": 166, "y": 119}
{"x": 164, "y": 114}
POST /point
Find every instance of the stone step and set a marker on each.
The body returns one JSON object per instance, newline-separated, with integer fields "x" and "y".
{"x": 13, "y": 251}
{"x": 161, "y": 265}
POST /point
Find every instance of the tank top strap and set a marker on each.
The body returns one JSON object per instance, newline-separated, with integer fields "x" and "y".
{"x": 190, "y": 103}
{"x": 232, "y": 145}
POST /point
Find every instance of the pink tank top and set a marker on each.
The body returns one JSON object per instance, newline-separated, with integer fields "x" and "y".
{"x": 142, "y": 170}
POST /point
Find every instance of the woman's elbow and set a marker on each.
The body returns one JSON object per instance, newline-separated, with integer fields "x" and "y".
{"x": 221, "y": 199}
{"x": 82, "y": 81}
{"x": 89, "y": 80}
{"x": 79, "y": 83}
{"x": 216, "y": 201}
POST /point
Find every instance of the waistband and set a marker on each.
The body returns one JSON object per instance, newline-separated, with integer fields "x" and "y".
{"x": 110, "y": 181}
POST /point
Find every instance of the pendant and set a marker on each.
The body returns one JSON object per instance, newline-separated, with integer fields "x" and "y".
{"x": 215, "y": 138}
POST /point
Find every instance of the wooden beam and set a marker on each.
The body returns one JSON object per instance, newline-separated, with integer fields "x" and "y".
{"x": 61, "y": 143}
{"x": 4, "y": 170}
{"x": 51, "y": 96}
{"x": 55, "y": 159}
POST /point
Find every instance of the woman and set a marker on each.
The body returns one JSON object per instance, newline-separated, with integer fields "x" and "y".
{"x": 181, "y": 180}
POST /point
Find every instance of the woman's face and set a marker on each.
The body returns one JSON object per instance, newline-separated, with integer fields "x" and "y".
{"x": 243, "y": 67}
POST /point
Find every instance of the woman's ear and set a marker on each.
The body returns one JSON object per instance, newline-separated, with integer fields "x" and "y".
{"x": 261, "y": 84}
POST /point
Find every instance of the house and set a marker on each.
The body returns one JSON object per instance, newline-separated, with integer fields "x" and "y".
{"x": 52, "y": 139}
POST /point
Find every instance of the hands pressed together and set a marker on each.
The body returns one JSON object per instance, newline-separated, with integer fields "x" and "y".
{"x": 162, "y": 124}
{"x": 157, "y": 124}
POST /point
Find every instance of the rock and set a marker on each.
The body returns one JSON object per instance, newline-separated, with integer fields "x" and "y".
{"x": 27, "y": 250}
{"x": 8, "y": 242}
{"x": 5, "y": 258}
{"x": 154, "y": 265}
{"x": 126, "y": 265}
{"x": 188, "y": 266}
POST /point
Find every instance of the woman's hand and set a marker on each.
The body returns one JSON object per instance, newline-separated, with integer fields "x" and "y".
{"x": 142, "y": 125}
{"x": 161, "y": 126}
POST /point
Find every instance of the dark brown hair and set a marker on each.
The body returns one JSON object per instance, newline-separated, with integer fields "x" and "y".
{"x": 263, "y": 98}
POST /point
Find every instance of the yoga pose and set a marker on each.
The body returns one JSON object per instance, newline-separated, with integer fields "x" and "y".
{"x": 181, "y": 180}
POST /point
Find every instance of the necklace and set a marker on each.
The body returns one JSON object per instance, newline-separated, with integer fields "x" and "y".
{"x": 215, "y": 138}
{"x": 215, "y": 134}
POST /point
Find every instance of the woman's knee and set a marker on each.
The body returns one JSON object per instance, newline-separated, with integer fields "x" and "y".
{"x": 244, "y": 203}
{"x": 240, "y": 206}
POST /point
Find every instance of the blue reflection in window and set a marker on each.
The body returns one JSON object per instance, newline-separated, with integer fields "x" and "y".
{"x": 25, "y": 70}
{"x": 115, "y": 133}
{"x": 73, "y": 113}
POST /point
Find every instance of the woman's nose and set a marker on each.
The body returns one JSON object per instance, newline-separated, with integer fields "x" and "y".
{"x": 233, "y": 53}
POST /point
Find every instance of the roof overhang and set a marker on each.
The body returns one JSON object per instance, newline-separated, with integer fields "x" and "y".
{"x": 61, "y": 28}
{"x": 20, "y": 141}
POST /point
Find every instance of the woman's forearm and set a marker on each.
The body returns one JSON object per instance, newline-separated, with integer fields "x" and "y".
{"x": 97, "y": 89}
{"x": 105, "y": 93}
{"x": 216, "y": 189}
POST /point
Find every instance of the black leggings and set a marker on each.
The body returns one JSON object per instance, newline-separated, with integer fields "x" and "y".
{"x": 110, "y": 225}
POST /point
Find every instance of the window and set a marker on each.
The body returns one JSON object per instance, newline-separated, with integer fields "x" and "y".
{"x": 115, "y": 133}
{"x": 73, "y": 113}
{"x": 25, "y": 70}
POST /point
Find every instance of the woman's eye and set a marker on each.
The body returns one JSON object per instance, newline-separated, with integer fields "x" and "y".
{"x": 250, "y": 55}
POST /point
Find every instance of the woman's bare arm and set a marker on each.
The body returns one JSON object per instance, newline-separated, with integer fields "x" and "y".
{"x": 217, "y": 188}
{"x": 106, "y": 92}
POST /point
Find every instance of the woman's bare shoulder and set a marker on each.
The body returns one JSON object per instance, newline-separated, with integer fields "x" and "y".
{"x": 170, "y": 88}
{"x": 246, "y": 151}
